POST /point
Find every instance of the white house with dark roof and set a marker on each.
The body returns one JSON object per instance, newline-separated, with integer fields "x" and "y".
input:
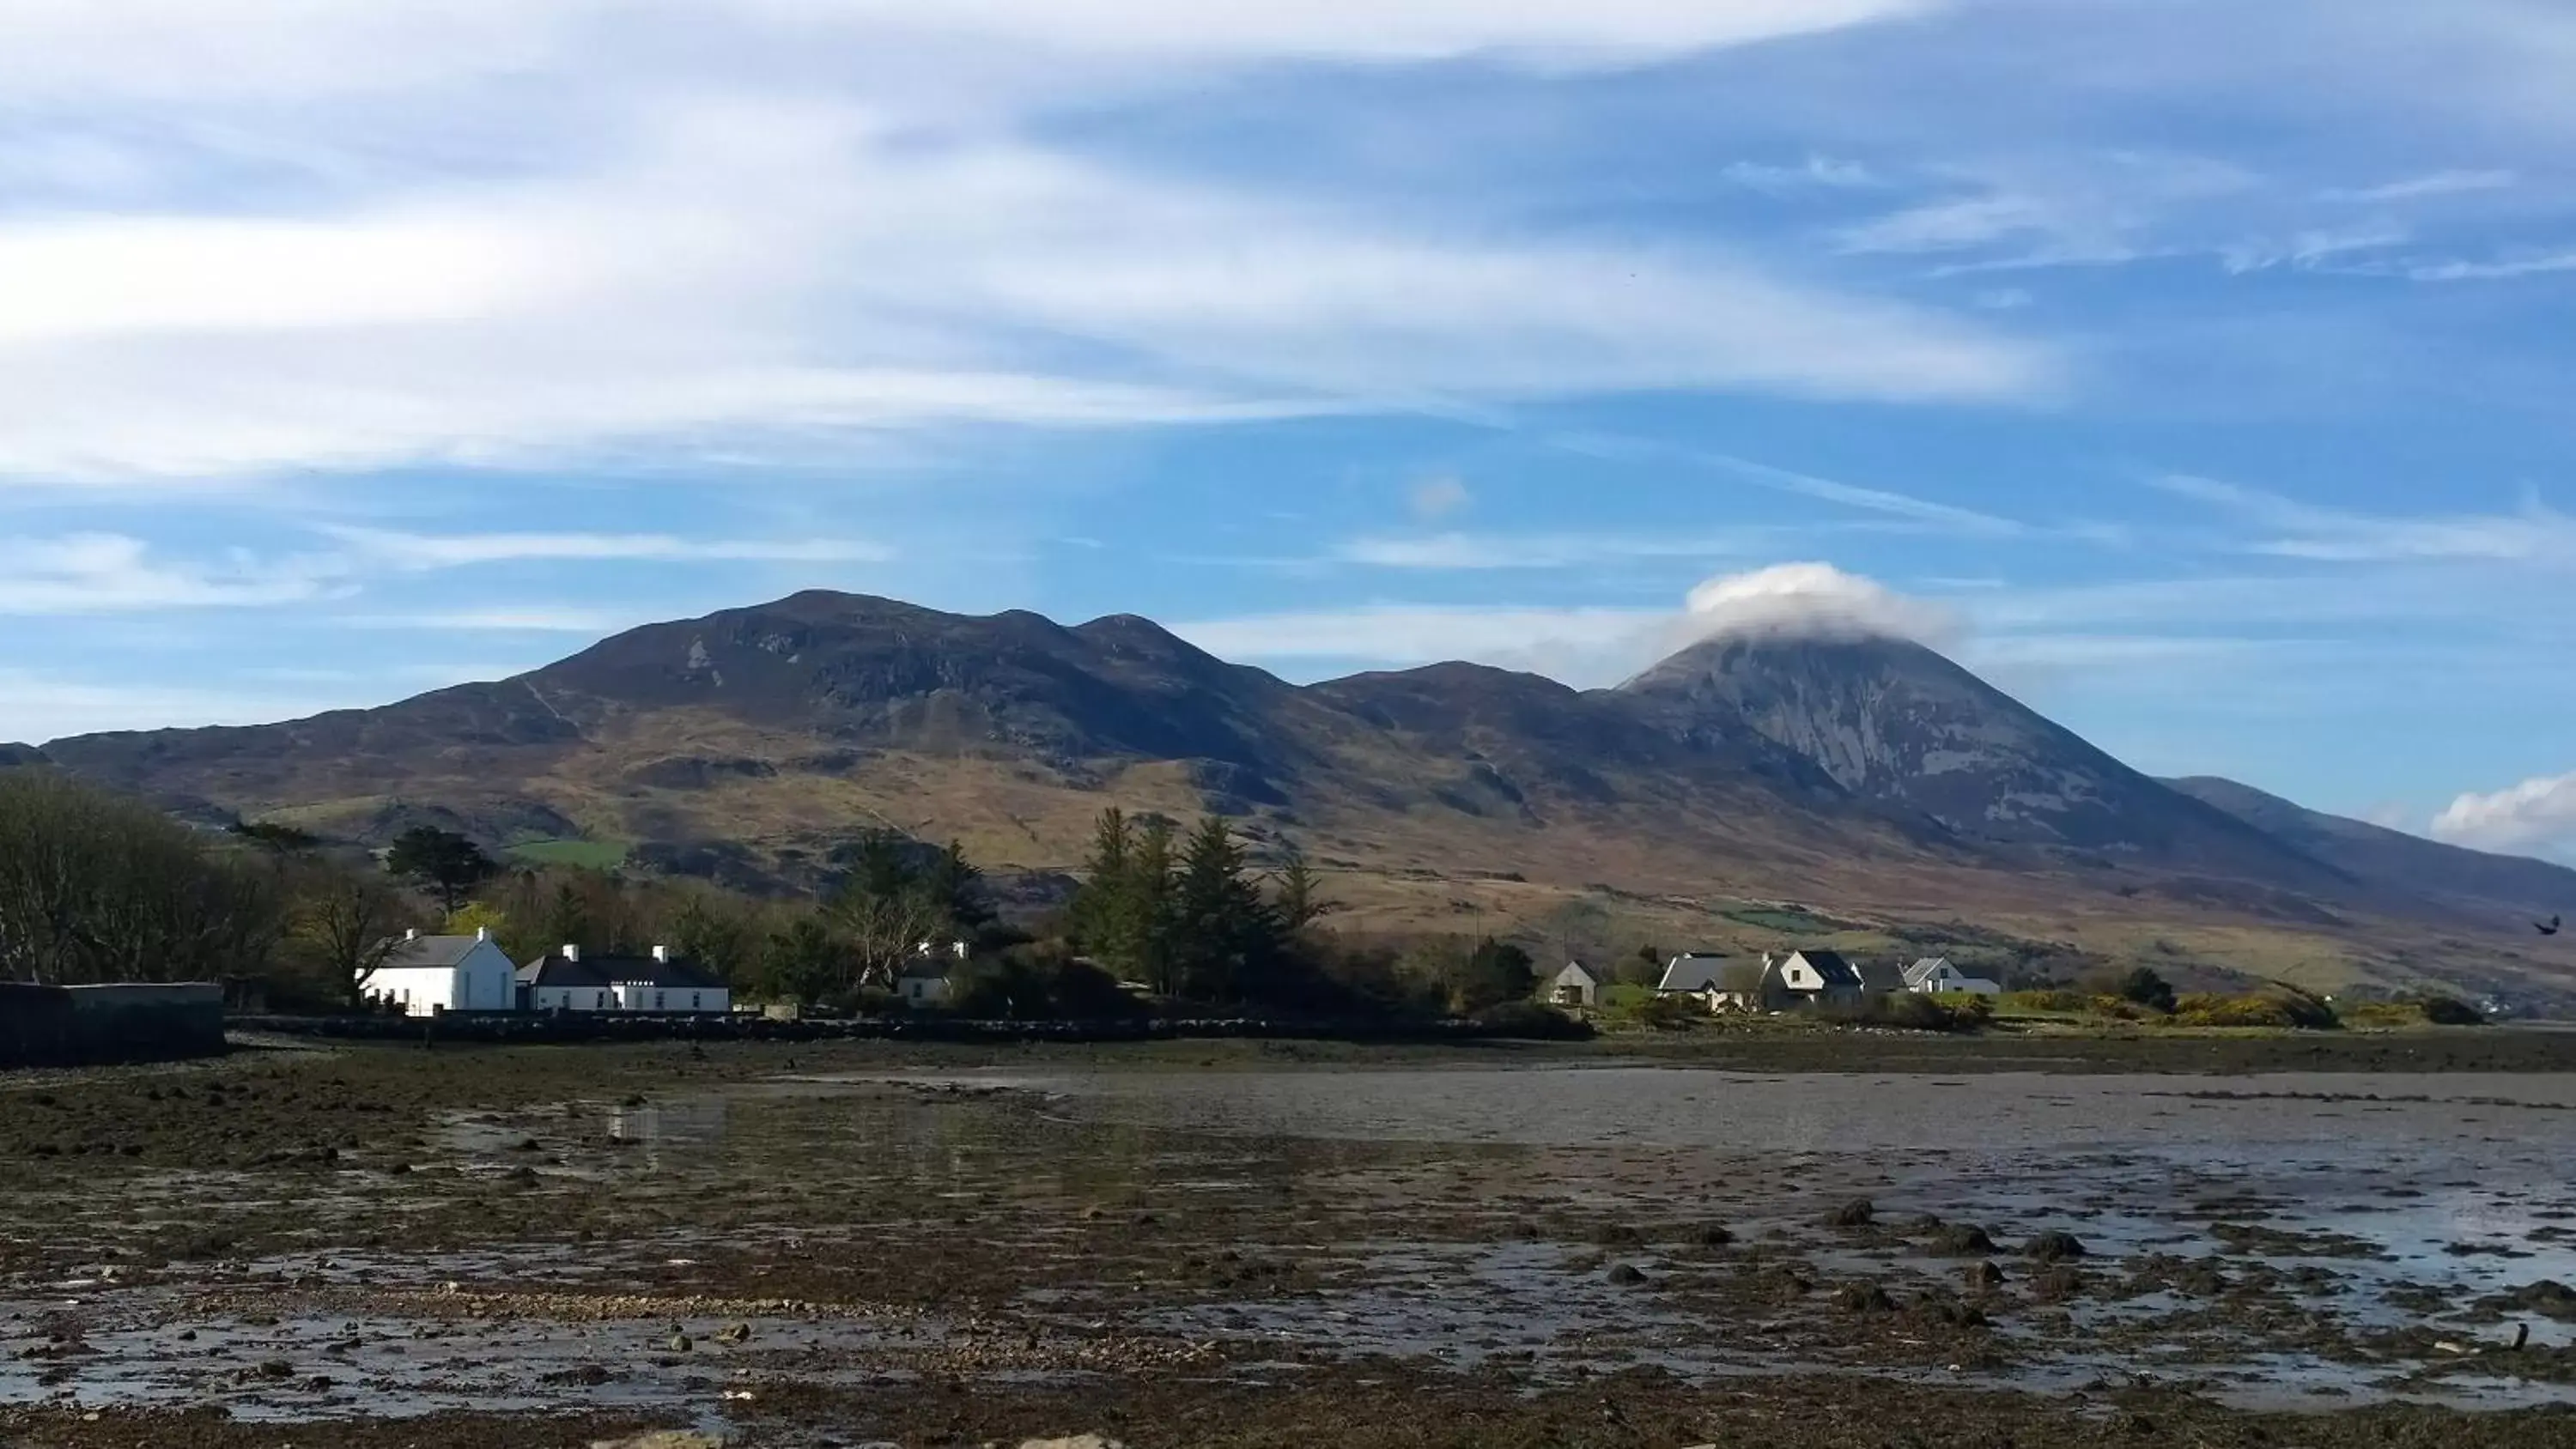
{"x": 425, "y": 975}
{"x": 1934, "y": 974}
{"x": 564, "y": 979}
{"x": 1817, "y": 977}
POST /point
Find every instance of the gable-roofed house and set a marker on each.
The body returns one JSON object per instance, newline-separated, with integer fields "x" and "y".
{"x": 425, "y": 975}
{"x": 1816, "y": 978}
{"x": 1934, "y": 974}
{"x": 564, "y": 979}
{"x": 1576, "y": 985}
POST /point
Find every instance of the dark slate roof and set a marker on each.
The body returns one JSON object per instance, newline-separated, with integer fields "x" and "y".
{"x": 429, "y": 952}
{"x": 1836, "y": 971}
{"x": 926, "y": 968}
{"x": 1694, "y": 972}
{"x": 554, "y": 970}
{"x": 1742, "y": 978}
{"x": 1595, "y": 977}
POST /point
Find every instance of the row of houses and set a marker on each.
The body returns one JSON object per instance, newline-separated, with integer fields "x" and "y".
{"x": 425, "y": 975}
{"x": 1777, "y": 983}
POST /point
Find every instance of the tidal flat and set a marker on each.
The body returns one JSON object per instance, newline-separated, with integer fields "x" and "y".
{"x": 1240, "y": 1243}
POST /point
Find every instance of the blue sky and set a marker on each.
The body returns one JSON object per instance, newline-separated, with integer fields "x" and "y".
{"x": 2196, "y": 370}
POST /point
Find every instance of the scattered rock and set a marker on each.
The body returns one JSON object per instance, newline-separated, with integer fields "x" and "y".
{"x": 2054, "y": 1247}
{"x": 1710, "y": 1235}
{"x": 1983, "y": 1277}
{"x": 1860, "y": 1212}
{"x": 2549, "y": 1298}
{"x": 661, "y": 1439}
{"x": 1626, "y": 1275}
{"x": 1863, "y": 1298}
{"x": 1078, "y": 1441}
{"x": 1617, "y": 1235}
{"x": 734, "y": 1333}
{"x": 1962, "y": 1240}
{"x": 677, "y": 1343}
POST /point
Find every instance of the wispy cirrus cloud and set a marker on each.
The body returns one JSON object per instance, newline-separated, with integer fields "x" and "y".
{"x": 2455, "y": 182}
{"x": 419, "y": 551}
{"x": 2296, "y": 530}
{"x": 1504, "y": 551}
{"x": 110, "y": 573}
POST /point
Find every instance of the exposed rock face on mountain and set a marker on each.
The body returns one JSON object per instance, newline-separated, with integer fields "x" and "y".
{"x": 750, "y": 744}
{"x": 1897, "y": 724}
{"x": 2394, "y": 861}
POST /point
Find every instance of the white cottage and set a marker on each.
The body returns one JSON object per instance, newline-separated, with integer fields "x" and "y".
{"x": 429, "y": 974}
{"x": 565, "y": 980}
{"x": 1934, "y": 974}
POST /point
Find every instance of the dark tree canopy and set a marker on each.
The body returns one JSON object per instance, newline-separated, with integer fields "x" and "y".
{"x": 441, "y": 862}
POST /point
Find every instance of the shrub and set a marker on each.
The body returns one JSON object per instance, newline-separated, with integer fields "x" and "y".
{"x": 2054, "y": 999}
{"x": 2450, "y": 1011}
{"x": 2282, "y": 1008}
{"x": 1903, "y": 1011}
{"x": 2147, "y": 989}
{"x": 1530, "y": 1020}
{"x": 1966, "y": 1008}
{"x": 1668, "y": 1013}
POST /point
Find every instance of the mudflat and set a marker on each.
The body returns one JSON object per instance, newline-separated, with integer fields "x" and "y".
{"x": 1819, "y": 1240}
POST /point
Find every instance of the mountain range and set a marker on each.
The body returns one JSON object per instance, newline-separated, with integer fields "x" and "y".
{"x": 1863, "y": 790}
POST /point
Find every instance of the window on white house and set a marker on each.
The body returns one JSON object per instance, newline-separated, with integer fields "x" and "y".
{"x": 657, "y": 1001}
{"x": 696, "y": 1000}
{"x": 603, "y": 1000}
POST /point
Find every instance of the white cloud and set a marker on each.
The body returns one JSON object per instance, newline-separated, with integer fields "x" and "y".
{"x": 2430, "y": 184}
{"x": 1870, "y": 500}
{"x": 816, "y": 274}
{"x": 278, "y": 49}
{"x": 103, "y": 573}
{"x": 1815, "y": 173}
{"x": 2506, "y": 269}
{"x": 512, "y": 619}
{"x": 1469, "y": 551}
{"x": 1438, "y": 497}
{"x": 2536, "y": 815}
{"x": 2537, "y": 534}
{"x": 1810, "y": 601}
{"x": 416, "y": 551}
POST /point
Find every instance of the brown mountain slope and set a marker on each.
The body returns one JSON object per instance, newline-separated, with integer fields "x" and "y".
{"x": 2394, "y": 860}
{"x": 1876, "y": 782}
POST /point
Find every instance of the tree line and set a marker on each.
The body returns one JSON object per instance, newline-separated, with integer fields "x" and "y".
{"x": 98, "y": 887}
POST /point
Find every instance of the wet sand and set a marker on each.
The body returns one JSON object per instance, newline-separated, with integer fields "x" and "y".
{"x": 1240, "y": 1245}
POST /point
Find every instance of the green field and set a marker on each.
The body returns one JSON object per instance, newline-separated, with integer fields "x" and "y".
{"x": 589, "y": 854}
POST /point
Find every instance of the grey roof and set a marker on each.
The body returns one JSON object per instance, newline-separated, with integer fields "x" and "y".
{"x": 429, "y": 952}
{"x": 1920, "y": 971}
{"x": 1880, "y": 976}
{"x": 1742, "y": 978}
{"x": 1571, "y": 967}
{"x": 554, "y": 969}
{"x": 1694, "y": 972}
{"x": 925, "y": 968}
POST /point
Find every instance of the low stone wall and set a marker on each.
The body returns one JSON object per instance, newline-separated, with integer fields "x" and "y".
{"x": 70, "y": 1026}
{"x": 580, "y": 1026}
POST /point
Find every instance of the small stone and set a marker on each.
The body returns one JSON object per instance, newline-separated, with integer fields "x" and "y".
{"x": 677, "y": 1343}
{"x": 1626, "y": 1275}
{"x": 1860, "y": 1212}
{"x": 1863, "y": 1298}
{"x": 1982, "y": 1277}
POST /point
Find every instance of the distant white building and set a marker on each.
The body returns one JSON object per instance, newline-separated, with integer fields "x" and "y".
{"x": 1934, "y": 974}
{"x": 565, "y": 980}
{"x": 425, "y": 975}
{"x": 928, "y": 980}
{"x": 1576, "y": 985}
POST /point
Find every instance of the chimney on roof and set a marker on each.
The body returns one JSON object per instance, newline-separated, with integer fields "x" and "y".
{"x": 571, "y": 952}
{"x": 960, "y": 948}
{"x": 411, "y": 933}
{"x": 662, "y": 954}
{"x": 482, "y": 933}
